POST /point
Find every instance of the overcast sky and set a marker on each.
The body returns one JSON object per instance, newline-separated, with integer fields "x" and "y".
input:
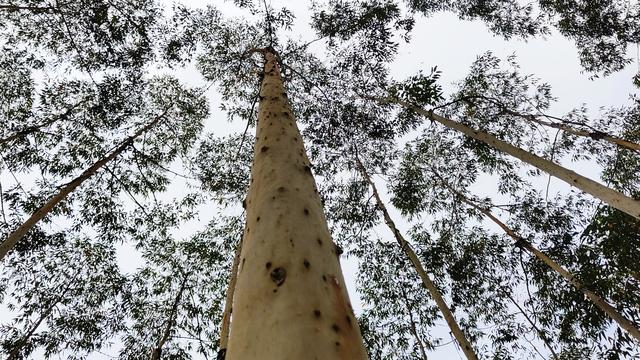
{"x": 452, "y": 45}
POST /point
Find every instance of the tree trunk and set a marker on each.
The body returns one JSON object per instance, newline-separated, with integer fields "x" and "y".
{"x": 156, "y": 353}
{"x": 17, "y": 234}
{"x": 612, "y": 197}
{"x": 602, "y": 304}
{"x": 291, "y": 301}
{"x": 562, "y": 125}
{"x": 228, "y": 304}
{"x": 465, "y": 345}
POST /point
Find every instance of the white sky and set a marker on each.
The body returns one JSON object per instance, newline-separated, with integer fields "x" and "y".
{"x": 452, "y": 45}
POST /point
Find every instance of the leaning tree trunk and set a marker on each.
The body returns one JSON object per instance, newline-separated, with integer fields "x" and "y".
{"x": 228, "y": 308}
{"x": 598, "y": 301}
{"x": 156, "y": 352}
{"x": 612, "y": 197}
{"x": 13, "y": 238}
{"x": 290, "y": 301}
{"x": 460, "y": 337}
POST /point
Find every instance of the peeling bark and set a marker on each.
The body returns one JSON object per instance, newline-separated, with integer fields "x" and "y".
{"x": 460, "y": 337}
{"x": 290, "y": 301}
{"x": 9, "y": 243}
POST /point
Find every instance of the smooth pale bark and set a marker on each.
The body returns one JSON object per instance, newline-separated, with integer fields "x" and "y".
{"x": 563, "y": 125}
{"x": 228, "y": 305}
{"x": 13, "y": 238}
{"x": 460, "y": 337}
{"x": 291, "y": 301}
{"x": 156, "y": 352}
{"x": 612, "y": 197}
{"x": 601, "y": 303}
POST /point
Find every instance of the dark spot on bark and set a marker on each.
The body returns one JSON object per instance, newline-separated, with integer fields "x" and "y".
{"x": 335, "y": 328}
{"x": 306, "y": 263}
{"x": 243, "y": 260}
{"x": 306, "y": 211}
{"x": 348, "y": 320}
{"x": 258, "y": 218}
{"x": 248, "y": 229}
{"x": 268, "y": 265}
{"x": 273, "y": 197}
{"x": 275, "y": 290}
{"x": 278, "y": 276}
{"x": 324, "y": 278}
{"x": 307, "y": 169}
{"x": 264, "y": 148}
{"x": 222, "y": 354}
{"x": 291, "y": 241}
{"x": 285, "y": 113}
{"x": 244, "y": 203}
{"x": 298, "y": 189}
{"x": 270, "y": 123}
{"x": 281, "y": 189}
{"x": 265, "y": 138}
{"x": 284, "y": 94}
{"x": 337, "y": 343}
{"x": 295, "y": 139}
{"x": 317, "y": 313}
{"x": 338, "y": 250}
{"x": 319, "y": 241}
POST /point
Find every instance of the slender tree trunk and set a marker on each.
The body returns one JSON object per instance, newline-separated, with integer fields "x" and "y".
{"x": 156, "y": 353}
{"x": 414, "y": 329}
{"x": 614, "y": 198}
{"x": 460, "y": 337}
{"x": 594, "y": 134}
{"x": 13, "y": 238}
{"x": 601, "y": 303}
{"x": 228, "y": 305}
{"x": 291, "y": 301}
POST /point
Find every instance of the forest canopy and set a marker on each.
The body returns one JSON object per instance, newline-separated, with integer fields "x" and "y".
{"x": 276, "y": 180}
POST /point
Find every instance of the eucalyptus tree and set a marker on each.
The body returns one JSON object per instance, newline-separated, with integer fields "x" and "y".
{"x": 88, "y": 35}
{"x": 161, "y": 117}
{"x": 64, "y": 298}
{"x": 177, "y": 296}
{"x": 603, "y": 32}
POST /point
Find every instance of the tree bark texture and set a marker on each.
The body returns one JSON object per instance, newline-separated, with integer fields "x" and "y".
{"x": 290, "y": 301}
{"x": 460, "y": 337}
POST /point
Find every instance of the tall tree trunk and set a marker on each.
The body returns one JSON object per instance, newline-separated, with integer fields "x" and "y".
{"x": 561, "y": 125}
{"x": 612, "y": 197}
{"x": 13, "y": 238}
{"x": 601, "y": 303}
{"x": 228, "y": 304}
{"x": 291, "y": 301}
{"x": 156, "y": 352}
{"x": 460, "y": 337}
